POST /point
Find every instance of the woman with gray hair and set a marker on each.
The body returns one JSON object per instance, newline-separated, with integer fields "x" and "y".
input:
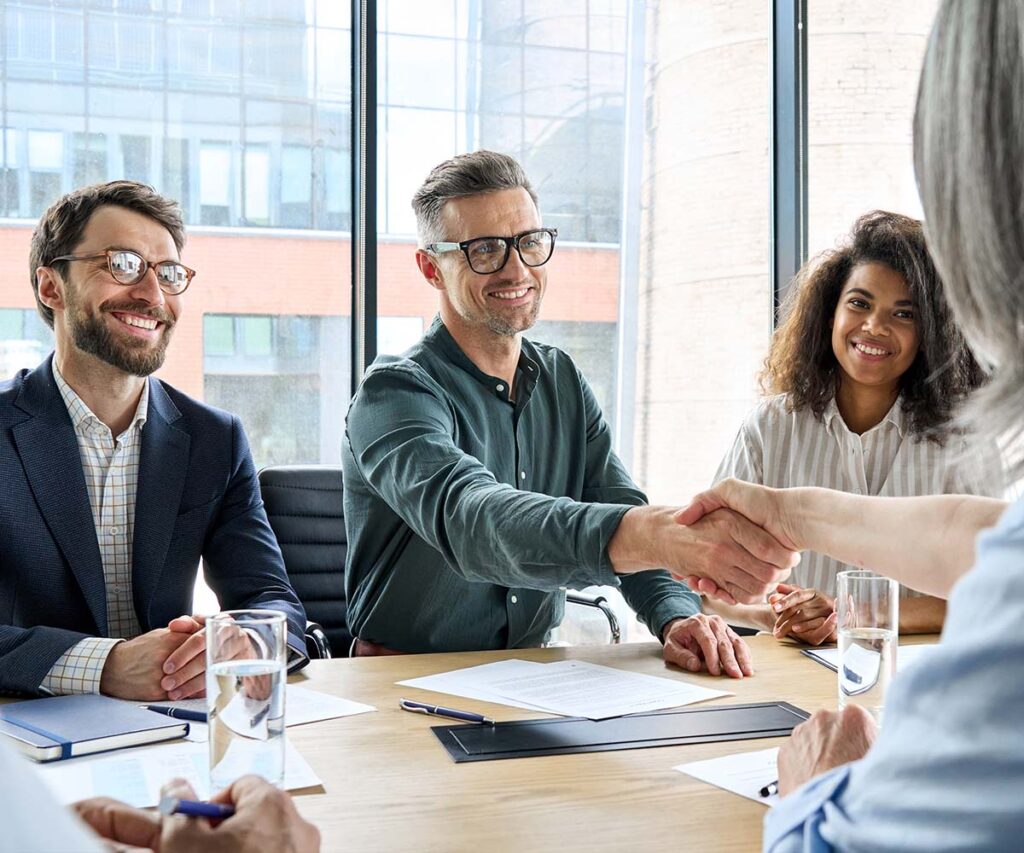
{"x": 946, "y": 771}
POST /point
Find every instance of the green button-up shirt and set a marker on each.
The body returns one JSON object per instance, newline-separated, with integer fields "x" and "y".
{"x": 469, "y": 511}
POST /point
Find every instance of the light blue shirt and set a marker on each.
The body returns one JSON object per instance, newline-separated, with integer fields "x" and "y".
{"x": 947, "y": 770}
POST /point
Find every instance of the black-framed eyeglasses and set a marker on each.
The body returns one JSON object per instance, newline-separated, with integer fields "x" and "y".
{"x": 490, "y": 254}
{"x": 127, "y": 267}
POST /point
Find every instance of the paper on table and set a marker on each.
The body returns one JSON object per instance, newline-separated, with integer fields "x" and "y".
{"x": 570, "y": 688}
{"x": 744, "y": 773}
{"x": 474, "y": 682}
{"x": 905, "y": 656}
{"x": 135, "y": 775}
{"x": 302, "y": 705}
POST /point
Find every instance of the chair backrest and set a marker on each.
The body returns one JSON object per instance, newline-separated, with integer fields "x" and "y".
{"x": 305, "y": 509}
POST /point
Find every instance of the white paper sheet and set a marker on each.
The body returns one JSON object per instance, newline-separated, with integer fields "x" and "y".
{"x": 135, "y": 775}
{"x": 744, "y": 773}
{"x": 905, "y": 656}
{"x": 302, "y": 705}
{"x": 570, "y": 688}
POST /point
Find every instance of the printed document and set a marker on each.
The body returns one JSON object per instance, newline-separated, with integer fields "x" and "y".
{"x": 745, "y": 773}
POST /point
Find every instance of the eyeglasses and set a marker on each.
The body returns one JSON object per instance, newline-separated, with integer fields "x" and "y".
{"x": 490, "y": 254}
{"x": 128, "y": 267}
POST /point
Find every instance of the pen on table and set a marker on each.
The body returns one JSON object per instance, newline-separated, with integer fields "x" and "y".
{"x": 180, "y": 713}
{"x": 770, "y": 789}
{"x": 438, "y": 711}
{"x": 192, "y": 808}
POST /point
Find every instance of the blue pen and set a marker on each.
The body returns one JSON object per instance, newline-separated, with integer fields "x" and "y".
{"x": 191, "y": 808}
{"x": 438, "y": 711}
{"x": 180, "y": 713}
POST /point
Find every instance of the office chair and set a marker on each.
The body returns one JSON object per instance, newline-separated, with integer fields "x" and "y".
{"x": 304, "y": 507}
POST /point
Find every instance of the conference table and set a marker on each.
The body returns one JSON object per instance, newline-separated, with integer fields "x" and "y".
{"x": 389, "y": 785}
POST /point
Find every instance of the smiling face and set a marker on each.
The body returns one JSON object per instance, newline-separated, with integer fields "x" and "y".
{"x": 874, "y": 332}
{"x": 125, "y": 326}
{"x": 503, "y": 303}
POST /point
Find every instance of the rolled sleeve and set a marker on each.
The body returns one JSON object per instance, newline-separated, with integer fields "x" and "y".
{"x": 794, "y": 824}
{"x": 80, "y": 668}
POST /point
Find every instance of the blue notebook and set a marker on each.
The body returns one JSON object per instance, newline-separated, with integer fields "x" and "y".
{"x": 68, "y": 726}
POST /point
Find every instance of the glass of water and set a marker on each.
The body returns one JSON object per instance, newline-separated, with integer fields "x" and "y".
{"x": 246, "y": 653}
{"x": 867, "y": 606}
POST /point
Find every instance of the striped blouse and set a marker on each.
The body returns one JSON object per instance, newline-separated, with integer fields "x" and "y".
{"x": 781, "y": 449}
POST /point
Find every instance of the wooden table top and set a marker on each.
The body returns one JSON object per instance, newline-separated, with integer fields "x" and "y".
{"x": 389, "y": 785}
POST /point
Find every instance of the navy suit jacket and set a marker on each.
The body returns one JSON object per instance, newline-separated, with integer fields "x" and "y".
{"x": 197, "y": 497}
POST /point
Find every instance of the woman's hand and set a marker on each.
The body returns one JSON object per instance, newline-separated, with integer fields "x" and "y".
{"x": 803, "y": 614}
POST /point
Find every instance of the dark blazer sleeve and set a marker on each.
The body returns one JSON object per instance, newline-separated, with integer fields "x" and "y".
{"x": 28, "y": 654}
{"x": 241, "y": 558}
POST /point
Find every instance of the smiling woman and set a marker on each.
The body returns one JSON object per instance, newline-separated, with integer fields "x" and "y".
{"x": 865, "y": 373}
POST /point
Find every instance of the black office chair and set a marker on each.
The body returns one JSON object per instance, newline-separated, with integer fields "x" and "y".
{"x": 306, "y": 511}
{"x": 304, "y": 507}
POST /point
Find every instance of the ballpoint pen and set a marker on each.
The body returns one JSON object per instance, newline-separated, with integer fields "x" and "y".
{"x": 180, "y": 713}
{"x": 192, "y": 808}
{"x": 439, "y": 711}
{"x": 770, "y": 789}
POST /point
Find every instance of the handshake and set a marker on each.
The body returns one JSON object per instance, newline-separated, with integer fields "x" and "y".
{"x": 735, "y": 542}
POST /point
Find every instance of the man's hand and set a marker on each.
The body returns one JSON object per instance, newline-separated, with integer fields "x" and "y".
{"x": 265, "y": 819}
{"x": 826, "y": 740}
{"x": 706, "y": 642}
{"x": 185, "y": 667}
{"x": 804, "y": 614}
{"x": 769, "y": 509}
{"x": 134, "y": 669}
{"x": 740, "y": 557}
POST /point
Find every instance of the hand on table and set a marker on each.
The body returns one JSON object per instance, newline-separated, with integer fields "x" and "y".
{"x": 804, "y": 614}
{"x": 703, "y": 642}
{"x": 265, "y": 819}
{"x": 134, "y": 669}
{"x": 826, "y": 740}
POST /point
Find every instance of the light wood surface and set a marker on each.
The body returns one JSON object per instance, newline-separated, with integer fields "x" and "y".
{"x": 390, "y": 786}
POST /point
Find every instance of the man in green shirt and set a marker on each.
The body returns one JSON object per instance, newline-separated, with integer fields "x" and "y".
{"x": 480, "y": 480}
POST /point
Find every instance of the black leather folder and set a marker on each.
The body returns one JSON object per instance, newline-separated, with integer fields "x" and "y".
{"x": 567, "y": 735}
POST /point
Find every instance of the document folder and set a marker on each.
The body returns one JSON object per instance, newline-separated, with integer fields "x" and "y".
{"x": 564, "y": 736}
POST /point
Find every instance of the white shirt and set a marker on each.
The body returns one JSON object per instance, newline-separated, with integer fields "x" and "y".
{"x": 782, "y": 449}
{"x": 111, "y": 469}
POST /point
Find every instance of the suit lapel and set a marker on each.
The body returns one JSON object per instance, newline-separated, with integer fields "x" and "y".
{"x": 163, "y": 465}
{"x": 49, "y": 453}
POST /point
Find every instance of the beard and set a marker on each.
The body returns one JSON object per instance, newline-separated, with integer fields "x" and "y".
{"x": 135, "y": 356}
{"x": 512, "y": 325}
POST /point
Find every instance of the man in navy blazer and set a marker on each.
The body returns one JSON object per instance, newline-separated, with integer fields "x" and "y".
{"x": 113, "y": 484}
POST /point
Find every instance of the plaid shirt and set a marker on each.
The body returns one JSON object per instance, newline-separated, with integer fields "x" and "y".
{"x": 111, "y": 468}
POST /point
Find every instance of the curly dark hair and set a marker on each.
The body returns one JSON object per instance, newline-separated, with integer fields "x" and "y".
{"x": 801, "y": 363}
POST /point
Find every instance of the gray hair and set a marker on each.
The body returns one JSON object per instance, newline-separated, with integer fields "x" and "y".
{"x": 467, "y": 174}
{"x": 969, "y": 159}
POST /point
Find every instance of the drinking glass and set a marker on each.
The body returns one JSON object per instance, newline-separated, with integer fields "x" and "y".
{"x": 246, "y": 654}
{"x": 868, "y": 609}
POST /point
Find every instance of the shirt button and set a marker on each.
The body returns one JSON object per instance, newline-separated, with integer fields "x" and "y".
{"x": 499, "y": 388}
{"x": 522, "y": 475}
{"x": 114, "y": 531}
{"x": 514, "y": 599}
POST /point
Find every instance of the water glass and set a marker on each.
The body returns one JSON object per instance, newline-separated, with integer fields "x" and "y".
{"x": 867, "y": 606}
{"x": 246, "y": 666}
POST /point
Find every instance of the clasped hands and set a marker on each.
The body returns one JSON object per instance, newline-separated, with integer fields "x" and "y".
{"x": 165, "y": 663}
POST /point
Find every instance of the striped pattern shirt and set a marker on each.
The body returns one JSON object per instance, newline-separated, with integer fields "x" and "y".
{"x": 111, "y": 468}
{"x": 781, "y": 449}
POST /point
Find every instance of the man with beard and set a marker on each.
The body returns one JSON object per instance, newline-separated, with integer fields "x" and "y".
{"x": 480, "y": 479}
{"x": 116, "y": 484}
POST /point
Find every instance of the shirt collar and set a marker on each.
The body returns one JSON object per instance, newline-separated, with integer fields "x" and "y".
{"x": 82, "y": 417}
{"x": 895, "y": 417}
{"x": 439, "y": 336}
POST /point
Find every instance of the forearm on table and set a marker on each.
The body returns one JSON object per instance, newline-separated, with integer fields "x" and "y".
{"x": 926, "y": 543}
{"x": 757, "y": 616}
{"x": 922, "y": 615}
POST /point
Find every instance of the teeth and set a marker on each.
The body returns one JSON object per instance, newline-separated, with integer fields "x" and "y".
{"x": 511, "y": 294}
{"x": 138, "y": 321}
{"x": 864, "y": 348}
